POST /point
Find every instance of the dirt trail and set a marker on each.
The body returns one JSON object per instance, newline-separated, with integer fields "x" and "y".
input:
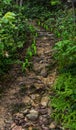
{"x": 25, "y": 105}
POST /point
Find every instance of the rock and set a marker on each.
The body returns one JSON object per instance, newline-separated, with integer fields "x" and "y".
{"x": 18, "y": 116}
{"x": 40, "y": 51}
{"x": 27, "y": 124}
{"x": 13, "y": 125}
{"x": 33, "y": 115}
{"x": 35, "y": 104}
{"x": 43, "y": 72}
{"x": 33, "y": 112}
{"x": 44, "y": 38}
{"x": 36, "y": 99}
{"x": 25, "y": 119}
{"x": 52, "y": 125}
{"x": 8, "y": 121}
{"x": 21, "y": 78}
{"x": 26, "y": 100}
{"x": 17, "y": 128}
{"x": 38, "y": 67}
{"x": 30, "y": 128}
{"x": 25, "y": 112}
{"x": 35, "y": 96}
{"x": 44, "y": 127}
{"x": 1, "y": 128}
{"x": 43, "y": 111}
{"x": 18, "y": 119}
{"x": 44, "y": 101}
{"x": 43, "y": 121}
{"x": 38, "y": 86}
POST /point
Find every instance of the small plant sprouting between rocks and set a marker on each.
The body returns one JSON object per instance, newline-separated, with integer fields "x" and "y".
{"x": 30, "y": 52}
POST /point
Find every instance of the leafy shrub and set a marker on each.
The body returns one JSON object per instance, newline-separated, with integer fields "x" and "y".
{"x": 7, "y": 27}
{"x": 63, "y": 102}
{"x": 61, "y": 23}
{"x": 14, "y": 31}
{"x": 65, "y": 53}
{"x": 35, "y": 11}
{"x": 65, "y": 25}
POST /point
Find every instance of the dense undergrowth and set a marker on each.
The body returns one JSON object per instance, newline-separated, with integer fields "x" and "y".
{"x": 15, "y": 32}
{"x": 60, "y": 21}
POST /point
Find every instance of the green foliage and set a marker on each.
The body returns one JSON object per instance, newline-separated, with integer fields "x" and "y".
{"x": 7, "y": 27}
{"x": 14, "y": 31}
{"x": 35, "y": 11}
{"x": 5, "y": 6}
{"x": 63, "y": 102}
{"x": 65, "y": 25}
{"x": 7, "y": 1}
{"x": 61, "y": 23}
{"x": 55, "y": 2}
{"x": 65, "y": 53}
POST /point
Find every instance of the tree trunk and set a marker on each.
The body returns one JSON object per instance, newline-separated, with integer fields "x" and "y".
{"x": 21, "y": 3}
{"x": 17, "y": 2}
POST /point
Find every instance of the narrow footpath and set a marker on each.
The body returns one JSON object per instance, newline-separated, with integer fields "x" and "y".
{"x": 26, "y": 104}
